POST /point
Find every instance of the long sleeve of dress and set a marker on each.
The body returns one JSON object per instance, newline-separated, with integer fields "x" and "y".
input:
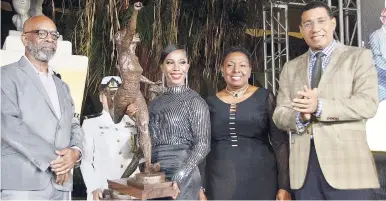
{"x": 280, "y": 143}
{"x": 201, "y": 130}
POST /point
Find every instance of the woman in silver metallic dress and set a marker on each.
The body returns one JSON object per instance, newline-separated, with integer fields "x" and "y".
{"x": 179, "y": 126}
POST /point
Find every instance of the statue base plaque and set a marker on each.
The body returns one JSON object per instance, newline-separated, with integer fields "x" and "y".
{"x": 143, "y": 186}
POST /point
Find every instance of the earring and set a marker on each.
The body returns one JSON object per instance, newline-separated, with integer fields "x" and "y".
{"x": 186, "y": 80}
{"x": 163, "y": 79}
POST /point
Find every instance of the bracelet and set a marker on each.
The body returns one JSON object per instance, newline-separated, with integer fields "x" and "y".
{"x": 203, "y": 189}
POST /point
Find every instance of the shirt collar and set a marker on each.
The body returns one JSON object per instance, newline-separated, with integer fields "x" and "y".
{"x": 50, "y": 71}
{"x": 327, "y": 51}
{"x": 106, "y": 119}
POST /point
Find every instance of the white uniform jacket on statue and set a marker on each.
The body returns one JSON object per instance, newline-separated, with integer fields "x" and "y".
{"x": 107, "y": 150}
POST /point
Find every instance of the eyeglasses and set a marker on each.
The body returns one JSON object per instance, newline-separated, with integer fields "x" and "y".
{"x": 44, "y": 33}
{"x": 310, "y": 24}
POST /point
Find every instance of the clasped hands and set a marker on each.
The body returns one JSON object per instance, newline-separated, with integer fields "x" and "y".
{"x": 306, "y": 103}
{"x": 64, "y": 163}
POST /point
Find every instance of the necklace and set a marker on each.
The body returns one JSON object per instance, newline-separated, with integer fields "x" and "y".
{"x": 239, "y": 93}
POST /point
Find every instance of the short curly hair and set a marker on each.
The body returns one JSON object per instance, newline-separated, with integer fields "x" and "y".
{"x": 237, "y": 49}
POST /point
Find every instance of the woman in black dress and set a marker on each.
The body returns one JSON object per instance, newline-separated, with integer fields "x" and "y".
{"x": 249, "y": 154}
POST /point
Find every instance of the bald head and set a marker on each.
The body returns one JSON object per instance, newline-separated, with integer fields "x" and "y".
{"x": 40, "y": 38}
{"x": 39, "y": 22}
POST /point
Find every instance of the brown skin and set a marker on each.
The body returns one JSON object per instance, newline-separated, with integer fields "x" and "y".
{"x": 175, "y": 68}
{"x": 62, "y": 178}
{"x": 321, "y": 32}
{"x": 236, "y": 70}
{"x": 69, "y": 156}
{"x": 35, "y": 23}
{"x": 97, "y": 194}
{"x": 317, "y": 28}
{"x": 202, "y": 195}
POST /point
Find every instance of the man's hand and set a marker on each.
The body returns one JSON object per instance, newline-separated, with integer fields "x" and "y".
{"x": 308, "y": 104}
{"x": 62, "y": 178}
{"x": 304, "y": 117}
{"x": 97, "y": 194}
{"x": 66, "y": 162}
{"x": 283, "y": 195}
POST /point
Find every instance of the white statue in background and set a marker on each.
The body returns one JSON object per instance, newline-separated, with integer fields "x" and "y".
{"x": 26, "y": 9}
{"x": 21, "y": 7}
{"x": 36, "y": 8}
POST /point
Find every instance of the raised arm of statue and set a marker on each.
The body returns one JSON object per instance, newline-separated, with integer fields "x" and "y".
{"x": 131, "y": 28}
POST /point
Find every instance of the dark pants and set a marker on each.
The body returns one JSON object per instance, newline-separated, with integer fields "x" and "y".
{"x": 316, "y": 187}
{"x": 380, "y": 161}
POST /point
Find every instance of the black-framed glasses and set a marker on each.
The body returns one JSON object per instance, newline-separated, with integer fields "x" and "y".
{"x": 44, "y": 33}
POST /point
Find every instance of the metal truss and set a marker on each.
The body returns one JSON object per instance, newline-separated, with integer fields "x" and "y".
{"x": 275, "y": 21}
{"x": 350, "y": 10}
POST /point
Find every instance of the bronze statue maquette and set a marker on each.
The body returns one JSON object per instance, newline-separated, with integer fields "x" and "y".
{"x": 150, "y": 183}
{"x": 129, "y": 92}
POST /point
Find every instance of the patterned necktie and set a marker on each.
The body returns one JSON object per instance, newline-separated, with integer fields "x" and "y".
{"x": 317, "y": 70}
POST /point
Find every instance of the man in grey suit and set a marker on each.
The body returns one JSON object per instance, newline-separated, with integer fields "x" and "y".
{"x": 41, "y": 141}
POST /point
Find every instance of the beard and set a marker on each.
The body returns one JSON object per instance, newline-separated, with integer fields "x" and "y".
{"x": 41, "y": 53}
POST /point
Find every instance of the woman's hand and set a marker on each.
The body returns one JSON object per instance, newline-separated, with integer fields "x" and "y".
{"x": 202, "y": 195}
{"x": 175, "y": 187}
{"x": 283, "y": 195}
{"x": 132, "y": 109}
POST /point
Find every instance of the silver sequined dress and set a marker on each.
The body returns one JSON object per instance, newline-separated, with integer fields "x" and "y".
{"x": 180, "y": 131}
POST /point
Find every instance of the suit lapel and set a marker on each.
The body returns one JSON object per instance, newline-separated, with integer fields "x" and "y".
{"x": 61, "y": 95}
{"x": 331, "y": 66}
{"x": 31, "y": 73}
{"x": 303, "y": 69}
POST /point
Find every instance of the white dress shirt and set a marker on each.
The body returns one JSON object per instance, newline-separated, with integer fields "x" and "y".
{"x": 49, "y": 84}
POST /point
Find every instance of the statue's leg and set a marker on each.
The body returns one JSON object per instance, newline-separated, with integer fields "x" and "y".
{"x": 142, "y": 117}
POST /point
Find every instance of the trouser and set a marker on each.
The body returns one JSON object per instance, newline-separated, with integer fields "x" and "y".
{"x": 317, "y": 188}
{"x": 48, "y": 193}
